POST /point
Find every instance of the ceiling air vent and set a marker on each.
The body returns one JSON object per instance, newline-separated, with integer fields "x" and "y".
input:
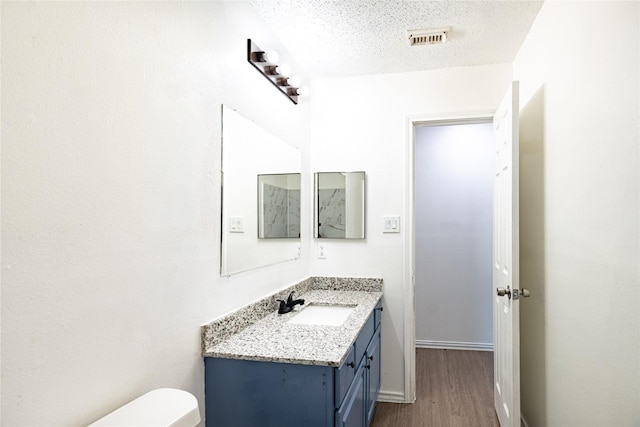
{"x": 423, "y": 37}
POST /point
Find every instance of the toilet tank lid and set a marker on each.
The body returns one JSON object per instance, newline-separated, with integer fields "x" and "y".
{"x": 166, "y": 407}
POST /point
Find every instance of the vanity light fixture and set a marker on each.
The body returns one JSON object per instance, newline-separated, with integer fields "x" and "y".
{"x": 277, "y": 74}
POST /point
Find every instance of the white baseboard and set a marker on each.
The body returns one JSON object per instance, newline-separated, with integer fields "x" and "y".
{"x": 453, "y": 345}
{"x": 391, "y": 397}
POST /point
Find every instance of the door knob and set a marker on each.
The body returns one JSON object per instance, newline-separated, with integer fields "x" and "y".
{"x": 502, "y": 292}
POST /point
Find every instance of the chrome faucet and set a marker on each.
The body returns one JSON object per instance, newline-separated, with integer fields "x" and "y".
{"x": 287, "y": 306}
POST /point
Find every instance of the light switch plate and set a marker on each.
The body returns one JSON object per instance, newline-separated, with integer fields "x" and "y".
{"x": 391, "y": 224}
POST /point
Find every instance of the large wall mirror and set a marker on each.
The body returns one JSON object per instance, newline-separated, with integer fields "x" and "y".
{"x": 339, "y": 211}
{"x": 260, "y": 223}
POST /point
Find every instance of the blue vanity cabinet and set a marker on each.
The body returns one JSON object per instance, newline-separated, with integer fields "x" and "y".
{"x": 261, "y": 393}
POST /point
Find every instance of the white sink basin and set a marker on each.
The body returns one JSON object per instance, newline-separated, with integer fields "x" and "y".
{"x": 329, "y": 315}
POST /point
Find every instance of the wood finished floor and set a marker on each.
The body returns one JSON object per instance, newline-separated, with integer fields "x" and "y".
{"x": 454, "y": 388}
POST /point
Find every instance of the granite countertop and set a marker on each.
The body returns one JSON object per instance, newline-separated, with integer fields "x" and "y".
{"x": 273, "y": 339}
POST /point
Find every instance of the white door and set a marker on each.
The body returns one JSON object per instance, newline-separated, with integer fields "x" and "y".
{"x": 506, "y": 313}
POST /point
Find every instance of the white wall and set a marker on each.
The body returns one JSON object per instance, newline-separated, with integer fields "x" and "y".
{"x": 110, "y": 197}
{"x": 454, "y": 235}
{"x": 579, "y": 215}
{"x": 360, "y": 123}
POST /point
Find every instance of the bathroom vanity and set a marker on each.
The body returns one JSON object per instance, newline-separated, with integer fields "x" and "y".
{"x": 280, "y": 371}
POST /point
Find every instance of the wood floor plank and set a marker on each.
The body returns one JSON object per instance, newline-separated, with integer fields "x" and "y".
{"x": 454, "y": 388}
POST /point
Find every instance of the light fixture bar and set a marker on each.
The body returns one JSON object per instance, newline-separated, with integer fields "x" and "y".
{"x": 258, "y": 58}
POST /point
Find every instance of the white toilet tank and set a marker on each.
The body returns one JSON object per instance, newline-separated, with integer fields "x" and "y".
{"x": 163, "y": 407}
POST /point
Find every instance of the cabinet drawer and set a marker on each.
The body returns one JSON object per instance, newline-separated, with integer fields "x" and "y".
{"x": 344, "y": 375}
{"x": 363, "y": 339}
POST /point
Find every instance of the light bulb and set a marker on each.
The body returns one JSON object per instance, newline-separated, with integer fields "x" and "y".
{"x": 273, "y": 56}
{"x": 294, "y": 81}
{"x": 284, "y": 70}
{"x": 303, "y": 91}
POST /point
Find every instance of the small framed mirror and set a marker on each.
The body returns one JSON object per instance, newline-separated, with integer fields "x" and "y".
{"x": 339, "y": 211}
{"x": 279, "y": 206}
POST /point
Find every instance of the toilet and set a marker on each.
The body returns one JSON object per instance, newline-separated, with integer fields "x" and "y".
{"x": 163, "y": 407}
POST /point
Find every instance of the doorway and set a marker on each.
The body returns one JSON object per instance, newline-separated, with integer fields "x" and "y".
{"x": 412, "y": 123}
{"x": 453, "y": 203}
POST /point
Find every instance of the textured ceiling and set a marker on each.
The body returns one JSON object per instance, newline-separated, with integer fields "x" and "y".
{"x": 351, "y": 37}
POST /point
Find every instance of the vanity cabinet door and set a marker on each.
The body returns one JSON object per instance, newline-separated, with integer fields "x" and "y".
{"x": 372, "y": 364}
{"x": 352, "y": 411}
